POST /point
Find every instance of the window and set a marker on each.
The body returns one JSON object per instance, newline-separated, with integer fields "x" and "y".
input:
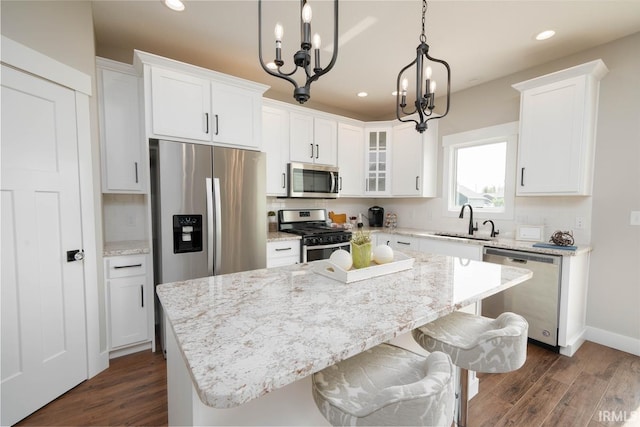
{"x": 479, "y": 169}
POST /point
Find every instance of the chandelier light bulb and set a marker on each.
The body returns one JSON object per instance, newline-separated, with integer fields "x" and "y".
{"x": 316, "y": 41}
{"x": 279, "y": 32}
{"x": 428, "y": 72}
{"x": 405, "y": 84}
{"x": 306, "y": 14}
{"x": 433, "y": 87}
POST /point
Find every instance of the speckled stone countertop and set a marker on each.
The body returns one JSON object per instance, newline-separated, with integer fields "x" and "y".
{"x": 491, "y": 242}
{"x": 242, "y": 335}
{"x": 275, "y": 236}
{"x": 129, "y": 247}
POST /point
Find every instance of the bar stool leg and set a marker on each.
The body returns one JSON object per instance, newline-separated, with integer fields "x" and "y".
{"x": 464, "y": 397}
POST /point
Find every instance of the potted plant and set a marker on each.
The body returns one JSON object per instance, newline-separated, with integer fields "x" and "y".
{"x": 361, "y": 249}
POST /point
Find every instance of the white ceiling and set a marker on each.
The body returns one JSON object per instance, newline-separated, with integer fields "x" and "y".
{"x": 481, "y": 40}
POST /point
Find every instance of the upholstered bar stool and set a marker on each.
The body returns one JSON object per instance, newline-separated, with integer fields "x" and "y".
{"x": 387, "y": 385}
{"x": 476, "y": 343}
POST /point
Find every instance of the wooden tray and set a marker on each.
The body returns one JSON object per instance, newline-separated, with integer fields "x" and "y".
{"x": 327, "y": 268}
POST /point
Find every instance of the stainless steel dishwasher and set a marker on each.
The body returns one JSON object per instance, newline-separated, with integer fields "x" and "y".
{"x": 537, "y": 299}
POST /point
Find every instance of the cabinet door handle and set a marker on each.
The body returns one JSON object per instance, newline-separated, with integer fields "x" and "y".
{"x": 403, "y": 243}
{"x": 136, "y": 168}
{"x": 206, "y": 123}
{"x": 317, "y": 150}
{"x": 311, "y": 150}
{"x": 127, "y": 266}
{"x": 340, "y": 184}
{"x": 522, "y": 177}
{"x": 217, "y": 125}
{"x": 284, "y": 180}
{"x": 388, "y": 242}
{"x": 417, "y": 179}
{"x": 283, "y": 249}
{"x": 142, "y": 295}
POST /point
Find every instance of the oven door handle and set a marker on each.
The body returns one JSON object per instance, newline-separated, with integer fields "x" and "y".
{"x": 332, "y": 245}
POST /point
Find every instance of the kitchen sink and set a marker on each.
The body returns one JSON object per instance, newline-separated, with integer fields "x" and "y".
{"x": 463, "y": 236}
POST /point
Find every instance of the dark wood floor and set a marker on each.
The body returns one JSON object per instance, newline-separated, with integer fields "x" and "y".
{"x": 597, "y": 387}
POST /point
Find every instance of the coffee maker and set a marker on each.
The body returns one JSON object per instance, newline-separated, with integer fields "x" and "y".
{"x": 376, "y": 216}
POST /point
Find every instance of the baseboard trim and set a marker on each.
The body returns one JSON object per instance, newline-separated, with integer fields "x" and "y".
{"x": 130, "y": 350}
{"x": 613, "y": 340}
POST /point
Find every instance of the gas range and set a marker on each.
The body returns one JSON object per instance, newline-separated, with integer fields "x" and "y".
{"x": 318, "y": 240}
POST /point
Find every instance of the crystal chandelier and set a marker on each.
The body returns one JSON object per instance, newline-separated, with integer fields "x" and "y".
{"x": 302, "y": 58}
{"x": 425, "y": 86}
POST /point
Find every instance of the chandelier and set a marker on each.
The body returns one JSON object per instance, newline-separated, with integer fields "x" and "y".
{"x": 302, "y": 58}
{"x": 425, "y": 87}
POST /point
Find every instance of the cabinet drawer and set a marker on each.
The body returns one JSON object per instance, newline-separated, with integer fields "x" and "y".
{"x": 403, "y": 242}
{"x": 126, "y": 266}
{"x": 284, "y": 248}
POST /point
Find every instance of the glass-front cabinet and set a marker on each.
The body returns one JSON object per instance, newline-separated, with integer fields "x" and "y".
{"x": 377, "y": 161}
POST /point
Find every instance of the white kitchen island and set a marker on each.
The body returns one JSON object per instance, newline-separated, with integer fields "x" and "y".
{"x": 241, "y": 347}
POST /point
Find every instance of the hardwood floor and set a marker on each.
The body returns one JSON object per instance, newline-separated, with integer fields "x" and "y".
{"x": 132, "y": 391}
{"x": 597, "y": 387}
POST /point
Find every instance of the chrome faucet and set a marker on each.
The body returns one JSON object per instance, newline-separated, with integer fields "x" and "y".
{"x": 494, "y": 232}
{"x": 471, "y": 227}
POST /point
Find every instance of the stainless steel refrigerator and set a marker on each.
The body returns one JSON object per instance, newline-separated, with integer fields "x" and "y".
{"x": 208, "y": 212}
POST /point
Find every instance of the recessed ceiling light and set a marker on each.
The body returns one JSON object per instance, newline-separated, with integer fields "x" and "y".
{"x": 362, "y": 94}
{"x": 547, "y": 34}
{"x": 176, "y": 5}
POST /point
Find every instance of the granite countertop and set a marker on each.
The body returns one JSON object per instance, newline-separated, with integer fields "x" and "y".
{"x": 129, "y": 247}
{"x": 492, "y": 242}
{"x": 275, "y": 236}
{"x": 242, "y": 335}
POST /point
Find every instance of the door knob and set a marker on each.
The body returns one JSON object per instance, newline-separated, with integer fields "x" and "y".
{"x": 75, "y": 255}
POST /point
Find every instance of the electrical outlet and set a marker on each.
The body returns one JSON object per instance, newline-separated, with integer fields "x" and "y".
{"x": 635, "y": 218}
{"x": 580, "y": 221}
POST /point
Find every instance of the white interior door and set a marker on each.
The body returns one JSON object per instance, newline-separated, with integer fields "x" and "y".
{"x": 43, "y": 321}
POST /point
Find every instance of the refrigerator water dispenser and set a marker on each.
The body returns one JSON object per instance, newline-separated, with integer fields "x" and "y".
{"x": 187, "y": 233}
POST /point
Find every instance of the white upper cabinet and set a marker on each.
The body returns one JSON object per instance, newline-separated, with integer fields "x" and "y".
{"x": 558, "y": 114}
{"x": 350, "y": 160}
{"x": 236, "y": 115}
{"x": 313, "y": 139}
{"x": 121, "y": 124}
{"x": 180, "y": 105}
{"x": 414, "y": 161}
{"x": 188, "y": 103}
{"x": 377, "y": 155}
{"x": 275, "y": 140}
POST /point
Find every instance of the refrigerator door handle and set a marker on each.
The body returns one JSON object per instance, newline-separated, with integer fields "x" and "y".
{"x": 218, "y": 225}
{"x": 210, "y": 231}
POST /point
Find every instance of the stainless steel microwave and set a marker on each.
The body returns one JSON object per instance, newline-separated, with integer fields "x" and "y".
{"x": 313, "y": 181}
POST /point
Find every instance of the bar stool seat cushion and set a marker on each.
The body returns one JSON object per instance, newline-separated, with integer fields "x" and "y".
{"x": 387, "y": 385}
{"x": 478, "y": 343}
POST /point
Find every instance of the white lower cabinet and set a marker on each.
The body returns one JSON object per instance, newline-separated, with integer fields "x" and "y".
{"x": 398, "y": 241}
{"x": 458, "y": 249}
{"x": 130, "y": 303}
{"x": 283, "y": 252}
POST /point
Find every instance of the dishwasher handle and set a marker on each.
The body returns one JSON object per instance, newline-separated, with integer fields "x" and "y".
{"x": 522, "y": 256}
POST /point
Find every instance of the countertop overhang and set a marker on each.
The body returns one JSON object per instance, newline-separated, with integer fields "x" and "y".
{"x": 245, "y": 334}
